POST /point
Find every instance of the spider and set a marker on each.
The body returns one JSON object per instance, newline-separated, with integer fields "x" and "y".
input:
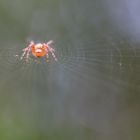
{"x": 38, "y": 50}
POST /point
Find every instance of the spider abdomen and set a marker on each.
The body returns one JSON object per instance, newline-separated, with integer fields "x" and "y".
{"x": 38, "y": 50}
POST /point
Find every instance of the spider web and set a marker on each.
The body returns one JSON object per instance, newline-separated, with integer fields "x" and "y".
{"x": 98, "y": 63}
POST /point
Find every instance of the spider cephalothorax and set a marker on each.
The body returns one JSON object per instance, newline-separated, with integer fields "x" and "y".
{"x": 38, "y": 50}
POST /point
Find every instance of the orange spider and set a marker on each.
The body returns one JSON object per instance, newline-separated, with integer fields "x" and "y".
{"x": 39, "y": 50}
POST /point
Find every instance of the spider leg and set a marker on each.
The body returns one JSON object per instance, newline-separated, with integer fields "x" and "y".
{"x": 49, "y": 42}
{"x": 26, "y": 51}
{"x": 52, "y": 52}
{"x": 47, "y": 56}
{"x": 47, "y": 45}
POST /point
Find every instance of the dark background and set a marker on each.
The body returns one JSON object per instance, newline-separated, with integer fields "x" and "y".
{"x": 92, "y": 92}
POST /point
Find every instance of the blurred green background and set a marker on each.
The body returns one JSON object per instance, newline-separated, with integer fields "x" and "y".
{"x": 92, "y": 92}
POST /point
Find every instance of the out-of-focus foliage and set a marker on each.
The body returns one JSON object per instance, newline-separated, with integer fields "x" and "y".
{"x": 92, "y": 92}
